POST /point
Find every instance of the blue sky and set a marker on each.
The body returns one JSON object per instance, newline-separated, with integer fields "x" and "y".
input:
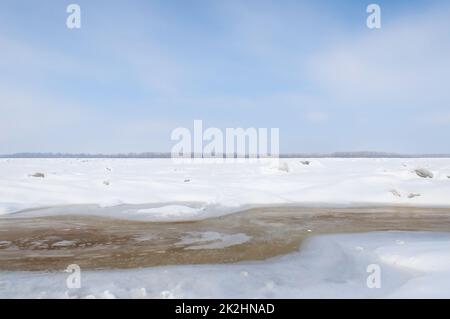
{"x": 136, "y": 70}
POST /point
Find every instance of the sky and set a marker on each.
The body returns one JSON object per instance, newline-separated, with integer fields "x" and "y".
{"x": 136, "y": 70}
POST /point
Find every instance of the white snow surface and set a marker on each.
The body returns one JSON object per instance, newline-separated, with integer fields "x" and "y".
{"x": 162, "y": 189}
{"x": 412, "y": 265}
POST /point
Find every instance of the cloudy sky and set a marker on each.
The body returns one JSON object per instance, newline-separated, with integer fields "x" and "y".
{"x": 136, "y": 70}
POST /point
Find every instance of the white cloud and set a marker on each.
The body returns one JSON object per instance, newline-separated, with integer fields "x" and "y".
{"x": 434, "y": 119}
{"x": 32, "y": 121}
{"x": 317, "y": 117}
{"x": 401, "y": 65}
{"x": 29, "y": 120}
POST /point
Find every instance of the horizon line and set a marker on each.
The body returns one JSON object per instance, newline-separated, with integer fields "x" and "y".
{"x": 341, "y": 154}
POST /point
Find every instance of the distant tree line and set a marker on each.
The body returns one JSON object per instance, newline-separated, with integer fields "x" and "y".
{"x": 168, "y": 155}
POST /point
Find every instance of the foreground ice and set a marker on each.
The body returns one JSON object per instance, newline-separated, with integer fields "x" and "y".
{"x": 147, "y": 183}
{"x": 412, "y": 265}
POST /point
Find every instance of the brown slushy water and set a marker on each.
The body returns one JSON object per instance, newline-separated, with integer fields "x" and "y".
{"x": 53, "y": 243}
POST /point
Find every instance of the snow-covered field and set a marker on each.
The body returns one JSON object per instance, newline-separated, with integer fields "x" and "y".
{"x": 412, "y": 264}
{"x": 218, "y": 188}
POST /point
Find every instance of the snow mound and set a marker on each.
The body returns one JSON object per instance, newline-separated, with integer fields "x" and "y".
{"x": 146, "y": 184}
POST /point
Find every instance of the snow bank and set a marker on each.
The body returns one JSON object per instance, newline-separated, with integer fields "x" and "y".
{"x": 412, "y": 265}
{"x": 153, "y": 183}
